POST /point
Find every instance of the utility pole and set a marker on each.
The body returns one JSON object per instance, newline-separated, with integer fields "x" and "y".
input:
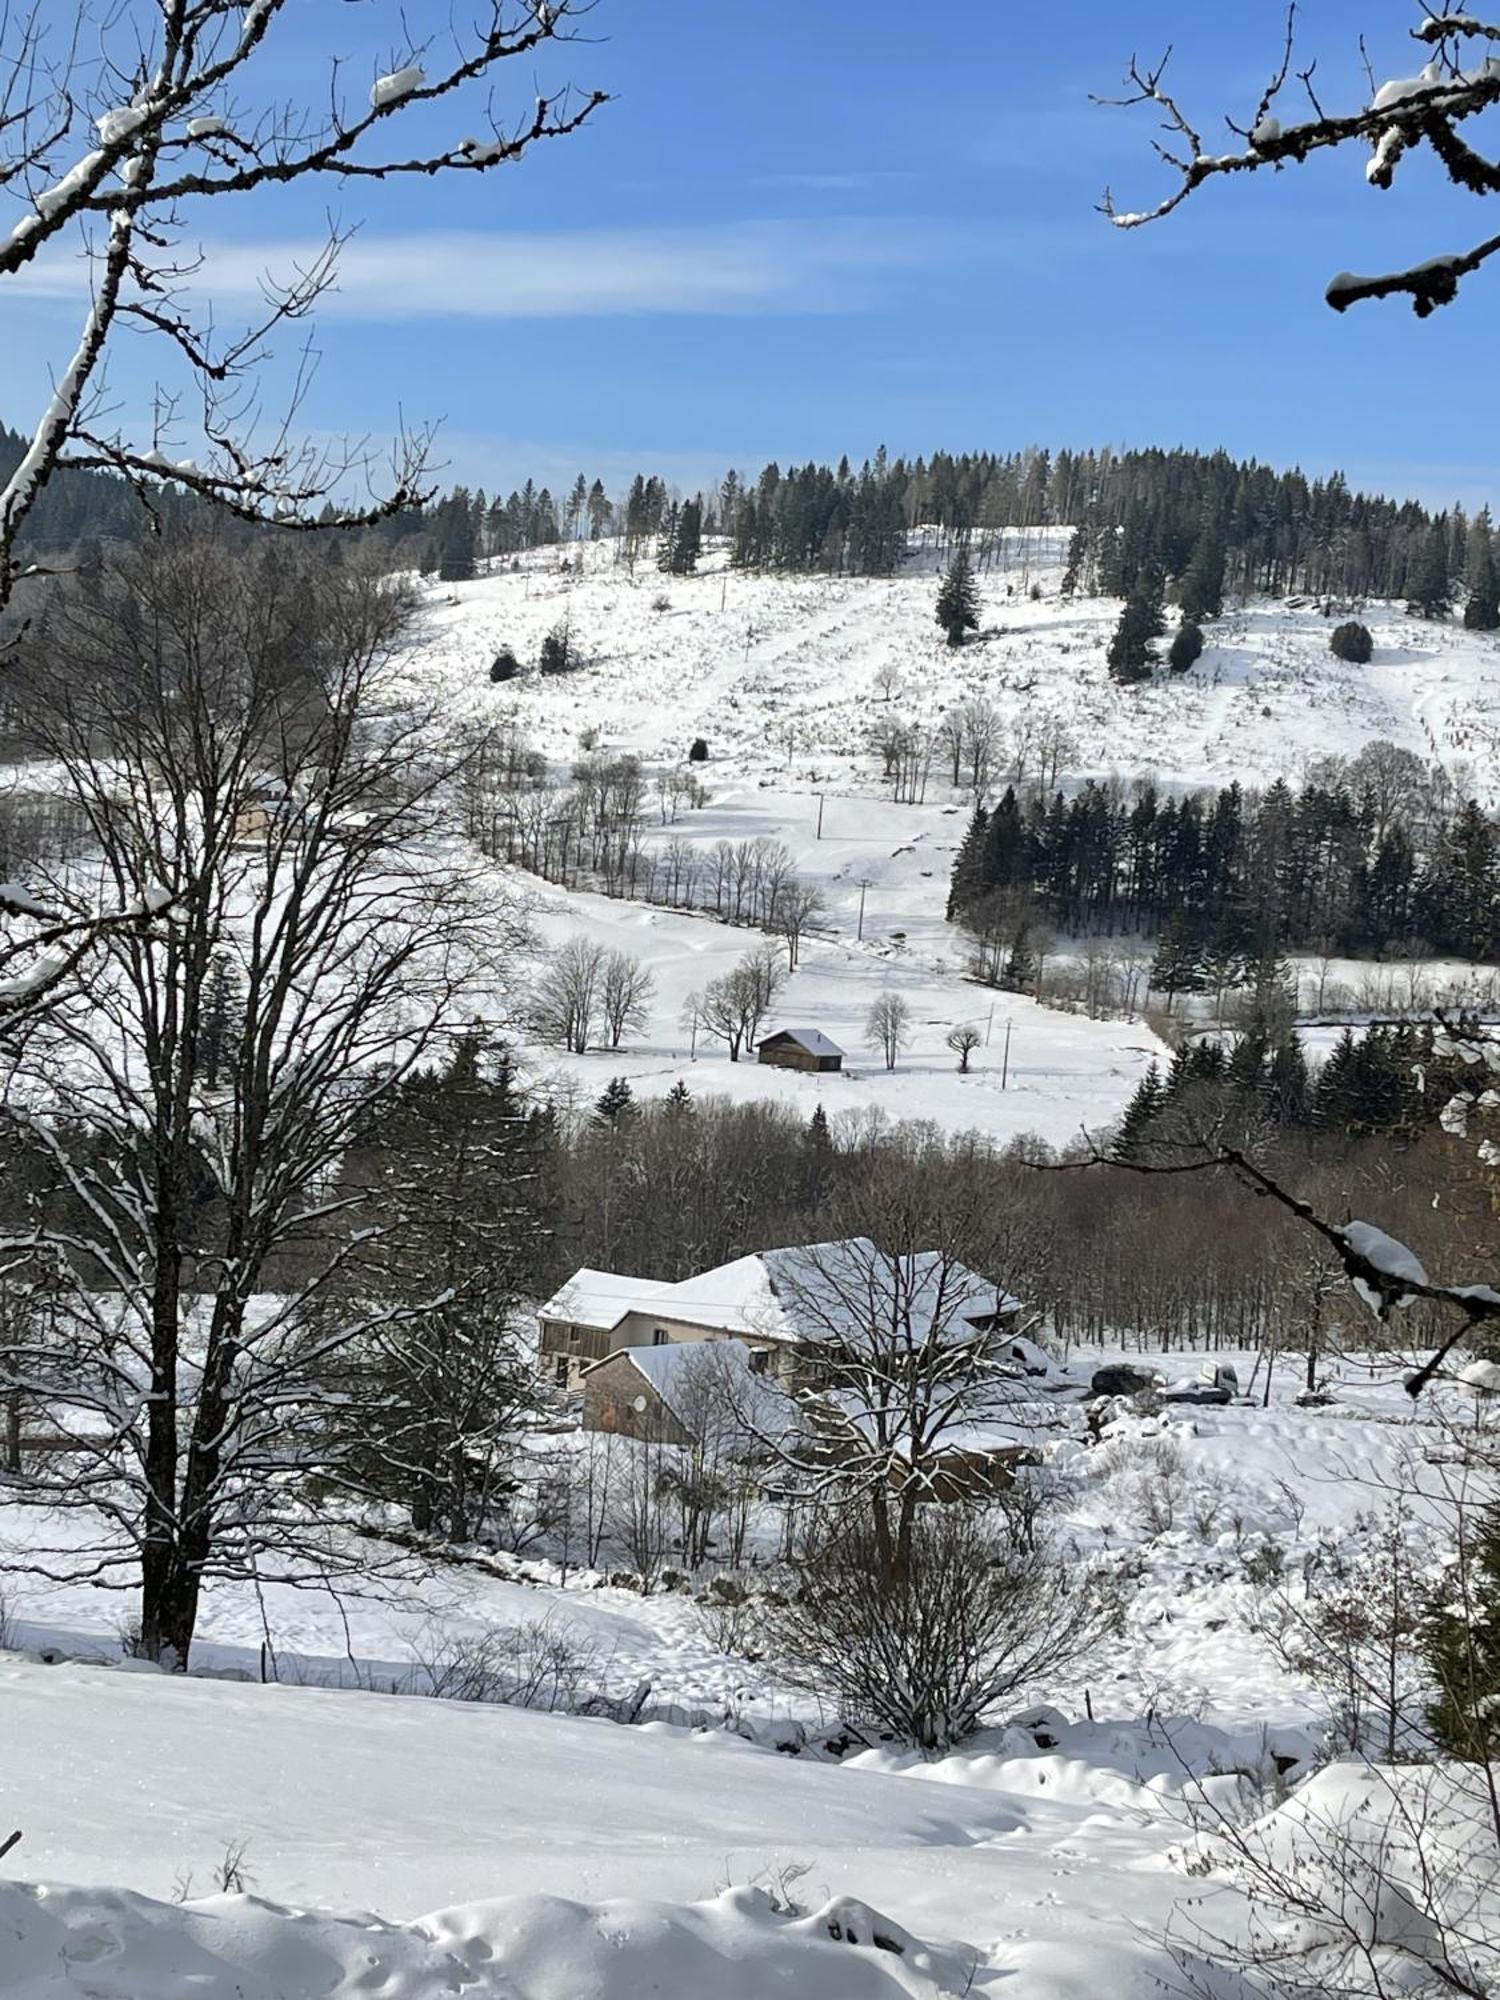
{"x": 864, "y": 883}
{"x": 1005, "y": 1059}
{"x": 820, "y": 816}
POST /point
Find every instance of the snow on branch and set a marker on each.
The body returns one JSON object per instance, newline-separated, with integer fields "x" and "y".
{"x": 174, "y": 123}
{"x": 1402, "y": 113}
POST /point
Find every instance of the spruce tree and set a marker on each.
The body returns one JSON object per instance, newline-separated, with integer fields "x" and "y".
{"x": 967, "y": 883}
{"x": 616, "y": 1103}
{"x": 1428, "y": 583}
{"x": 456, "y": 561}
{"x": 1142, "y": 1112}
{"x": 1462, "y": 1647}
{"x": 1202, "y": 592}
{"x": 1482, "y": 610}
{"x": 958, "y": 597}
{"x": 1131, "y": 656}
{"x": 679, "y": 1099}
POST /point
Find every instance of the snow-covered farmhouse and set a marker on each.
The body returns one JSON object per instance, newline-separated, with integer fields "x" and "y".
{"x": 783, "y": 1306}
{"x": 800, "y": 1048}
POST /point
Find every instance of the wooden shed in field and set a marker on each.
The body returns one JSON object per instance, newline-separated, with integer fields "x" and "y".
{"x": 801, "y": 1048}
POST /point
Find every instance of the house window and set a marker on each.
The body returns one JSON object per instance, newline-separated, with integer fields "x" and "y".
{"x": 759, "y": 1360}
{"x": 560, "y": 1371}
{"x": 573, "y": 1339}
{"x": 659, "y": 1338}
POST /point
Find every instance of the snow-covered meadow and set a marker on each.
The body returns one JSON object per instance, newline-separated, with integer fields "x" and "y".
{"x": 577, "y": 1859}
{"x": 788, "y": 681}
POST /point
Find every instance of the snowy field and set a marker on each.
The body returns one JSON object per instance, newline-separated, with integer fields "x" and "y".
{"x": 786, "y": 679}
{"x": 572, "y": 1859}
{"x": 783, "y": 677}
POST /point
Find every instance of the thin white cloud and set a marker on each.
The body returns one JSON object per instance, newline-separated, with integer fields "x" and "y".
{"x": 829, "y": 265}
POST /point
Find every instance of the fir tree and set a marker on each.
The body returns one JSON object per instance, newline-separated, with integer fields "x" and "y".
{"x": 678, "y": 1100}
{"x": 1131, "y": 655}
{"x": 958, "y": 597}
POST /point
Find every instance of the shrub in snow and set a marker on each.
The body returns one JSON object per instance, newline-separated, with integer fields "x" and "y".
{"x": 506, "y": 665}
{"x": 540, "y": 1664}
{"x": 699, "y": 752}
{"x": 927, "y": 1652}
{"x": 557, "y": 655}
{"x": 1352, "y": 642}
{"x": 1186, "y": 649}
{"x": 661, "y": 602}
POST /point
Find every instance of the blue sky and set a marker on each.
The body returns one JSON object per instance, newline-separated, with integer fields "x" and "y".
{"x": 812, "y": 226}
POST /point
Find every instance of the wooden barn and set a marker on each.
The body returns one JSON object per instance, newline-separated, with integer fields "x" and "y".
{"x": 801, "y": 1048}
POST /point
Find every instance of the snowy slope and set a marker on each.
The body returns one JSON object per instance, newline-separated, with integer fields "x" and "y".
{"x": 786, "y": 679}
{"x": 782, "y": 675}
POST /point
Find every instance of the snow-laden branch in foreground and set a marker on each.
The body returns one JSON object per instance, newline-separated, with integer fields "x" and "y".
{"x": 200, "y": 123}
{"x": 1403, "y": 112}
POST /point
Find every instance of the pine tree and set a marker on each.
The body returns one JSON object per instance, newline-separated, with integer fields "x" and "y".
{"x": 958, "y": 597}
{"x": 616, "y": 1103}
{"x": 1177, "y": 966}
{"x": 679, "y": 1100}
{"x": 1131, "y": 657}
{"x": 1462, "y": 1647}
{"x": 1004, "y": 856}
{"x": 1142, "y": 1112}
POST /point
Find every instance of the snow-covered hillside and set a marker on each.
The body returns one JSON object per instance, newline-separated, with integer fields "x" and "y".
{"x": 784, "y": 676}
{"x": 569, "y": 1859}
{"x": 788, "y": 680}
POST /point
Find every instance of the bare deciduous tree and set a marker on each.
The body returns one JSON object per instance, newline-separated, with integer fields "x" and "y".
{"x": 225, "y": 727}
{"x": 566, "y": 1003}
{"x": 734, "y": 1006}
{"x": 626, "y": 988}
{"x": 888, "y": 1026}
{"x": 972, "y": 1618}
{"x": 964, "y": 1040}
{"x": 120, "y": 120}
{"x": 1458, "y": 79}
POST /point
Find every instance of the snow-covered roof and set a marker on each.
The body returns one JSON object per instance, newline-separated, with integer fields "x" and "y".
{"x": 600, "y": 1298}
{"x": 682, "y": 1372}
{"x": 813, "y": 1292}
{"x": 813, "y": 1040}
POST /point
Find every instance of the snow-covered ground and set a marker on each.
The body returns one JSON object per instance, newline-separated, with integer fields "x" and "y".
{"x": 786, "y": 680}
{"x": 784, "y": 677}
{"x": 1038, "y": 1860}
